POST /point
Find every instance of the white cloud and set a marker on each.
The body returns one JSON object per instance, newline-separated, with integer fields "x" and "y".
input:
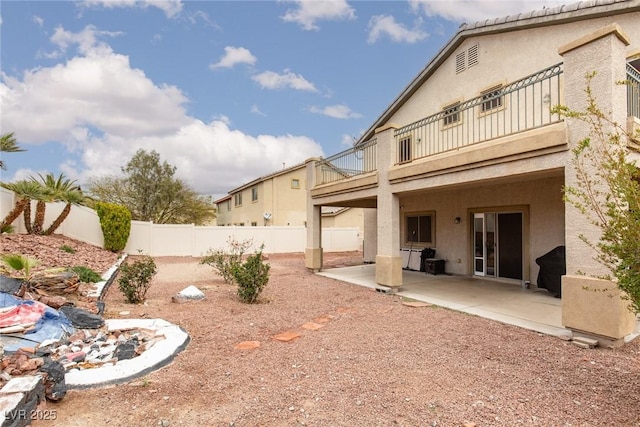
{"x": 288, "y": 79}
{"x": 256, "y": 110}
{"x": 103, "y": 110}
{"x": 309, "y": 11}
{"x": 336, "y": 111}
{"x": 386, "y": 25}
{"x": 470, "y": 11}
{"x": 38, "y": 20}
{"x": 171, "y": 8}
{"x": 234, "y": 55}
{"x": 86, "y": 40}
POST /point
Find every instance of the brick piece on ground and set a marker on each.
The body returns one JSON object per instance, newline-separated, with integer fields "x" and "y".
{"x": 286, "y": 336}
{"x": 323, "y": 319}
{"x": 416, "y": 304}
{"x": 247, "y": 345}
{"x": 312, "y": 326}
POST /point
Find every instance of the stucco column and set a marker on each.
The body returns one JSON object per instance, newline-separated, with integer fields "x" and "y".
{"x": 587, "y": 303}
{"x": 313, "y": 250}
{"x": 388, "y": 259}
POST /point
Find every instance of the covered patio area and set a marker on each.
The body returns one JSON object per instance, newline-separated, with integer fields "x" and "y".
{"x": 534, "y": 309}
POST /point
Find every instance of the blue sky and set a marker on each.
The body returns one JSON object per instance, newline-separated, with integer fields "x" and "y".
{"x": 226, "y": 91}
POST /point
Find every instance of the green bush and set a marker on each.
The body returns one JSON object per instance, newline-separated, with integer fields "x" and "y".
{"x": 115, "y": 221}
{"x": 225, "y": 261}
{"x": 251, "y": 277}
{"x": 68, "y": 249}
{"x": 135, "y": 279}
{"x": 86, "y": 274}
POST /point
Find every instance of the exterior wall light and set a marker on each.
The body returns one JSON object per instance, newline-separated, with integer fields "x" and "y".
{"x": 457, "y": 220}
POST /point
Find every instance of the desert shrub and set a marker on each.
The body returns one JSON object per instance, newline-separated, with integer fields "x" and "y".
{"x": 68, "y": 249}
{"x": 22, "y": 265}
{"x": 7, "y": 228}
{"x": 251, "y": 277}
{"x": 224, "y": 261}
{"x": 86, "y": 274}
{"x": 115, "y": 221}
{"x": 135, "y": 279}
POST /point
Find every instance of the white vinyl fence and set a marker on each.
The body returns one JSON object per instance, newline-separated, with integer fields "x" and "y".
{"x": 184, "y": 239}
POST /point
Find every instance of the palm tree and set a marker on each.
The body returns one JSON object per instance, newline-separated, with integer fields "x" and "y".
{"x": 25, "y": 190}
{"x": 8, "y": 144}
{"x": 72, "y": 196}
{"x": 59, "y": 189}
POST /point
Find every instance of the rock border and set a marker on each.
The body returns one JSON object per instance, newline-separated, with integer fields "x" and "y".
{"x": 160, "y": 355}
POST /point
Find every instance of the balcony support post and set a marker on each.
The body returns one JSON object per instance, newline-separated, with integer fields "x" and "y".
{"x": 313, "y": 249}
{"x": 388, "y": 259}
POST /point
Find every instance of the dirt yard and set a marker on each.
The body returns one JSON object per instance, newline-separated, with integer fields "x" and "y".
{"x": 373, "y": 362}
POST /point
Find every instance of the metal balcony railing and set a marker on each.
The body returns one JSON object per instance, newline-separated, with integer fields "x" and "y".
{"x": 349, "y": 163}
{"x": 503, "y": 110}
{"x": 633, "y": 92}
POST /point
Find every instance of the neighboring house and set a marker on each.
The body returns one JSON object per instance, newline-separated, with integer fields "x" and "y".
{"x": 279, "y": 199}
{"x": 469, "y": 160}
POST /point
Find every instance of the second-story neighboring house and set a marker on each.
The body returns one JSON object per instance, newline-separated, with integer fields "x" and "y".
{"x": 470, "y": 160}
{"x": 278, "y": 199}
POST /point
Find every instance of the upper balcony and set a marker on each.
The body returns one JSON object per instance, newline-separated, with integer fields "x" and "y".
{"x": 506, "y": 113}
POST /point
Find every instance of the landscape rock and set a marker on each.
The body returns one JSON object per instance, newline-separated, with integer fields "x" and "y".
{"x": 190, "y": 293}
{"x": 55, "y": 387}
{"x": 82, "y": 319}
{"x": 10, "y": 285}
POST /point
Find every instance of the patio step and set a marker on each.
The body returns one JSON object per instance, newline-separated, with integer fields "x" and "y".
{"x": 585, "y": 342}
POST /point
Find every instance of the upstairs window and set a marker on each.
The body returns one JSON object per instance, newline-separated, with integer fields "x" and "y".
{"x": 451, "y": 115}
{"x": 237, "y": 199}
{"x": 492, "y": 99}
{"x": 404, "y": 149}
{"x": 254, "y": 194}
{"x": 229, "y": 204}
{"x": 295, "y": 183}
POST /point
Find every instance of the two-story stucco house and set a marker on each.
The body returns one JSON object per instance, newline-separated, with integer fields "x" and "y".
{"x": 469, "y": 159}
{"x": 279, "y": 199}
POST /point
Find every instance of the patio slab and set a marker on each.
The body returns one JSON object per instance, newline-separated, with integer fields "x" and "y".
{"x": 534, "y": 309}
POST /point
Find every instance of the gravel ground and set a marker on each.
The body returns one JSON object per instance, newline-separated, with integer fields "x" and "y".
{"x": 375, "y": 362}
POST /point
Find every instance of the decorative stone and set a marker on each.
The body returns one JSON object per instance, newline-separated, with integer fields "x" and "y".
{"x": 286, "y": 336}
{"x": 416, "y": 304}
{"x": 190, "y": 293}
{"x": 312, "y": 326}
{"x": 55, "y": 387}
{"x": 82, "y": 319}
{"x": 247, "y": 345}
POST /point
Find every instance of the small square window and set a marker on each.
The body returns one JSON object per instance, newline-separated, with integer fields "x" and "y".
{"x": 451, "y": 114}
{"x": 295, "y": 183}
{"x": 492, "y": 99}
{"x": 254, "y": 224}
{"x": 420, "y": 229}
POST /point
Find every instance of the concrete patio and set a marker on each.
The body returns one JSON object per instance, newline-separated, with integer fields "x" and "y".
{"x": 534, "y": 308}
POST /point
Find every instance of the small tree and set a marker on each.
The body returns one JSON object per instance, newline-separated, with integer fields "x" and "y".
{"x": 610, "y": 196}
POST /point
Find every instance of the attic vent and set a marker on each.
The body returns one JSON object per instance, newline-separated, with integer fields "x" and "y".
{"x": 460, "y": 62}
{"x": 473, "y": 55}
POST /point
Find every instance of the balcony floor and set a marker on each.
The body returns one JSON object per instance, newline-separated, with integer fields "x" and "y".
{"x": 534, "y": 309}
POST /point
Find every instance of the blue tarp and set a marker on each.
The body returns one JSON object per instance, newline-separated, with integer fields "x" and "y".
{"x": 52, "y": 325}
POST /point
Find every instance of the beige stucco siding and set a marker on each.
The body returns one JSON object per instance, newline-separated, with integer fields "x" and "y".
{"x": 529, "y": 51}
